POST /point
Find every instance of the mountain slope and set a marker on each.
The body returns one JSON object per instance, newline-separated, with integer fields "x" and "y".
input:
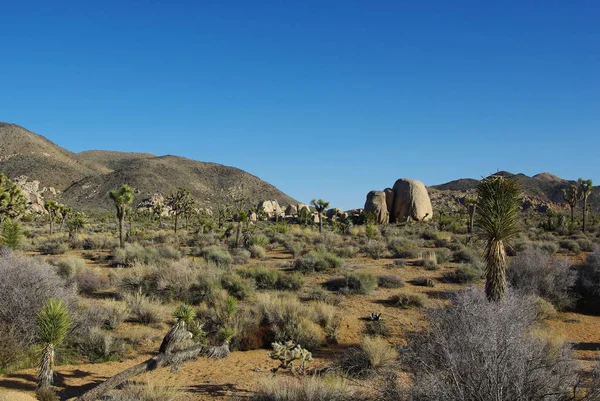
{"x": 165, "y": 174}
{"x": 543, "y": 188}
{"x": 24, "y": 153}
{"x": 84, "y": 179}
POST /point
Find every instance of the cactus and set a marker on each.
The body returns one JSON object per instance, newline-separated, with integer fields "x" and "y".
{"x": 288, "y": 352}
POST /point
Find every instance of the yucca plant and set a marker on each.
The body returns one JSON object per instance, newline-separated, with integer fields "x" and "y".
{"x": 586, "y": 190}
{"x": 497, "y": 210}
{"x": 122, "y": 197}
{"x": 53, "y": 324}
{"x": 185, "y": 327}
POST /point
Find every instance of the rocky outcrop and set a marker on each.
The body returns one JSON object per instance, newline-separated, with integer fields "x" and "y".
{"x": 411, "y": 201}
{"x": 291, "y": 210}
{"x": 33, "y": 194}
{"x": 334, "y": 213}
{"x": 271, "y": 208}
{"x": 376, "y": 203}
{"x": 408, "y": 200}
{"x": 156, "y": 199}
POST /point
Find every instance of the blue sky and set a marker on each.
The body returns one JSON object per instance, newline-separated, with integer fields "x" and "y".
{"x": 322, "y": 98}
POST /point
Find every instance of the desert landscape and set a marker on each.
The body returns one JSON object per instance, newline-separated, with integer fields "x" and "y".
{"x": 121, "y": 284}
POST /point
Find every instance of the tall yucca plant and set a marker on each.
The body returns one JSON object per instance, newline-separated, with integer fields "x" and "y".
{"x": 122, "y": 197}
{"x": 184, "y": 327}
{"x": 53, "y": 323}
{"x": 497, "y": 211}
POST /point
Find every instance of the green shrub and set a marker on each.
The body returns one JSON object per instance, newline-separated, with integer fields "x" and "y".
{"x": 236, "y": 286}
{"x": 375, "y": 249}
{"x": 355, "y": 283}
{"x": 390, "y": 281}
{"x": 464, "y": 275}
{"x": 443, "y": 255}
{"x": 272, "y": 279}
{"x": 132, "y": 254}
{"x": 403, "y": 248}
{"x": 317, "y": 262}
{"x": 240, "y": 256}
{"x": 142, "y": 309}
{"x": 407, "y": 300}
{"x": 11, "y": 234}
{"x": 68, "y": 267}
{"x": 257, "y": 252}
{"x": 465, "y": 255}
{"x": 218, "y": 256}
{"x": 585, "y": 244}
{"x": 53, "y": 247}
{"x": 375, "y": 355}
{"x": 570, "y": 245}
{"x": 259, "y": 239}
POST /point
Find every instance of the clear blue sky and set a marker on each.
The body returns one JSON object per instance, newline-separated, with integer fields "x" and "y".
{"x": 321, "y": 98}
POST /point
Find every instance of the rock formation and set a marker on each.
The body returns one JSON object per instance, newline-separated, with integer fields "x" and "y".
{"x": 33, "y": 194}
{"x": 408, "y": 200}
{"x": 271, "y": 208}
{"x": 376, "y": 204}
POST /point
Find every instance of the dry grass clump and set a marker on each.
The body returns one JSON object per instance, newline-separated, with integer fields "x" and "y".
{"x": 353, "y": 283}
{"x": 407, "y": 300}
{"x": 316, "y": 261}
{"x": 143, "y": 310}
{"x": 272, "y": 279}
{"x": 375, "y": 249}
{"x": 375, "y": 355}
{"x": 146, "y": 391}
{"x": 312, "y": 388}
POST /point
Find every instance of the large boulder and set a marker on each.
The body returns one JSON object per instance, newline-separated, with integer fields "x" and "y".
{"x": 271, "y": 208}
{"x": 291, "y": 210}
{"x": 389, "y": 199}
{"x": 376, "y": 204}
{"x": 34, "y": 195}
{"x": 333, "y": 213}
{"x": 411, "y": 201}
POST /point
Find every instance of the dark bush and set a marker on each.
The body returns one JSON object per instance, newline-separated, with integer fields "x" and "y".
{"x": 587, "y": 285}
{"x": 475, "y": 340}
{"x": 536, "y": 272}
{"x": 317, "y": 262}
{"x": 464, "y": 275}
{"x": 354, "y": 283}
{"x": 389, "y": 281}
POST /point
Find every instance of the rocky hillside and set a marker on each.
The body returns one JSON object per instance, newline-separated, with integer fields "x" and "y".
{"x": 540, "y": 192}
{"x": 83, "y": 180}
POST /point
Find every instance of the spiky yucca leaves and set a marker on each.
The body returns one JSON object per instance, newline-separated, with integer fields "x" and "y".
{"x": 53, "y": 324}
{"x": 185, "y": 320}
{"x": 497, "y": 210}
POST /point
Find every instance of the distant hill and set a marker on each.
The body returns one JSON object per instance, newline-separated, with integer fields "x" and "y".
{"x": 543, "y": 190}
{"x": 84, "y": 179}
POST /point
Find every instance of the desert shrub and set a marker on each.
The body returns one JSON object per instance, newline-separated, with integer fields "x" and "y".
{"x": 168, "y": 252}
{"x": 545, "y": 310}
{"x": 287, "y": 319}
{"x": 260, "y": 240}
{"x": 353, "y": 283}
{"x": 378, "y": 328}
{"x": 257, "y": 252}
{"x": 549, "y": 247}
{"x": 407, "y": 300}
{"x": 476, "y": 339}
{"x": 346, "y": 251}
{"x": 443, "y": 255}
{"x": 217, "y": 256}
{"x": 142, "y": 309}
{"x": 98, "y": 345}
{"x": 312, "y": 388}
{"x": 374, "y": 355}
{"x": 237, "y": 286}
{"x": 399, "y": 263}
{"x": 375, "y": 249}
{"x": 112, "y": 314}
{"x": 585, "y": 244}
{"x": 536, "y": 272}
{"x": 570, "y": 245}
{"x": 465, "y": 255}
{"x": 295, "y": 247}
{"x": 90, "y": 281}
{"x": 240, "y": 256}
{"x": 464, "y": 275}
{"x": 587, "y": 284}
{"x": 53, "y": 247}
{"x": 428, "y": 260}
{"x": 389, "y": 281}
{"x": 403, "y": 248}
{"x": 273, "y": 279}
{"x": 327, "y": 316}
{"x": 99, "y": 242}
{"x": 26, "y": 284}
{"x": 146, "y": 391}
{"x": 46, "y": 394}
{"x": 132, "y": 254}
{"x": 69, "y": 266}
{"x": 423, "y": 282}
{"x": 317, "y": 262}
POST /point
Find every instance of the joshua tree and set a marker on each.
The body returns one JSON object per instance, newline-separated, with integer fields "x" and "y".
{"x": 180, "y": 202}
{"x": 52, "y": 209}
{"x": 320, "y": 205}
{"x": 241, "y": 218}
{"x": 75, "y": 224}
{"x": 572, "y": 197}
{"x": 497, "y": 210}
{"x": 586, "y": 190}
{"x": 122, "y": 196}
{"x": 63, "y": 212}
{"x": 471, "y": 205}
{"x": 53, "y": 322}
{"x": 12, "y": 201}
